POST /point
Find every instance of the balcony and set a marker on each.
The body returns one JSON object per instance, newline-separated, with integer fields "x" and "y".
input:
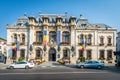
{"x": 101, "y": 44}
{"x": 89, "y": 44}
{"x": 109, "y": 44}
{"x": 80, "y": 44}
{"x": 37, "y": 43}
{"x": 22, "y": 43}
{"x": 65, "y": 43}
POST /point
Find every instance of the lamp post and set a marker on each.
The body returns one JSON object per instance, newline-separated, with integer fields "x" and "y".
{"x": 28, "y": 42}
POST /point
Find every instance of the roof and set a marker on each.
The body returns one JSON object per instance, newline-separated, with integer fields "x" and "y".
{"x": 3, "y": 39}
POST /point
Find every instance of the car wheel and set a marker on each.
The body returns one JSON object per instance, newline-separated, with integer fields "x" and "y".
{"x": 26, "y": 67}
{"x": 11, "y": 67}
{"x": 99, "y": 67}
{"x": 81, "y": 67}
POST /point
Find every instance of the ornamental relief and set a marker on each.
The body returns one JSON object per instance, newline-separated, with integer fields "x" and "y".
{"x": 18, "y": 30}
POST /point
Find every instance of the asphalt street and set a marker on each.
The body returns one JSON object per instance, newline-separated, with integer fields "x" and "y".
{"x": 59, "y": 73}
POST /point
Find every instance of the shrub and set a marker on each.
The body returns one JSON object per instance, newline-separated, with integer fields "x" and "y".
{"x": 20, "y": 59}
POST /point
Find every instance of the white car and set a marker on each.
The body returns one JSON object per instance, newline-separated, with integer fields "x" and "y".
{"x": 23, "y": 64}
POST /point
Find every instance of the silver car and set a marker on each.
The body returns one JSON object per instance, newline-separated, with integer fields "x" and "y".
{"x": 90, "y": 64}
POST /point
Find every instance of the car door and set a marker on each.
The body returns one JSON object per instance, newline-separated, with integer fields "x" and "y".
{"x": 88, "y": 64}
{"x": 17, "y": 65}
{"x": 95, "y": 64}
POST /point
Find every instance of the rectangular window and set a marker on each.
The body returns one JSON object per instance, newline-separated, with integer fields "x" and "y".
{"x": 109, "y": 54}
{"x": 101, "y": 40}
{"x": 80, "y": 53}
{"x": 22, "y": 53}
{"x": 101, "y": 56}
{"x": 89, "y": 55}
{"x": 109, "y": 40}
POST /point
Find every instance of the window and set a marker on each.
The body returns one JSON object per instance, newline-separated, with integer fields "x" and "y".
{"x": 15, "y": 36}
{"x": 109, "y": 40}
{"x": 22, "y": 53}
{"x": 65, "y": 53}
{"x": 80, "y": 53}
{"x": 39, "y": 36}
{"x": 83, "y": 25}
{"x": 52, "y": 36}
{"x": 0, "y": 47}
{"x": 23, "y": 38}
{"x": 89, "y": 38}
{"x": 101, "y": 56}
{"x": 109, "y": 54}
{"x": 89, "y": 55}
{"x": 38, "y": 54}
{"x": 66, "y": 36}
{"x": 101, "y": 40}
{"x": 81, "y": 39}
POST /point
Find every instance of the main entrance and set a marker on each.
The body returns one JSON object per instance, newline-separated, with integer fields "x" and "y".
{"x": 52, "y": 54}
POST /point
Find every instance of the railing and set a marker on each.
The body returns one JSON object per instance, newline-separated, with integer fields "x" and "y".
{"x": 37, "y": 43}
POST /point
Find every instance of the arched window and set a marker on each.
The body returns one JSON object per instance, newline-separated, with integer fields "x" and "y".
{"x": 66, "y": 53}
{"x": 15, "y": 36}
{"x": 66, "y": 36}
{"x": 89, "y": 38}
{"x": 52, "y": 36}
{"x": 38, "y": 53}
{"x": 102, "y": 39}
{"x": 81, "y": 38}
{"x": 39, "y": 36}
{"x": 23, "y": 38}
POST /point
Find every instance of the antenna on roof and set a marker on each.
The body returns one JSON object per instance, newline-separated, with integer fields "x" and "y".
{"x": 25, "y": 14}
{"x": 66, "y": 13}
{"x": 81, "y": 15}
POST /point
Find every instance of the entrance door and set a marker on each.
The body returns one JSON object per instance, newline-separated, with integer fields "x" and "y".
{"x": 52, "y": 54}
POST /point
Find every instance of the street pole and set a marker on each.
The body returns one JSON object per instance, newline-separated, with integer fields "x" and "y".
{"x": 28, "y": 41}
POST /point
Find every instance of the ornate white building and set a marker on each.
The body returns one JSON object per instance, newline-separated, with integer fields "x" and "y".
{"x": 55, "y": 36}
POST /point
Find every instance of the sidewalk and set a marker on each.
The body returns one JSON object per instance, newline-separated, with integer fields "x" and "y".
{"x": 112, "y": 67}
{"x": 3, "y": 66}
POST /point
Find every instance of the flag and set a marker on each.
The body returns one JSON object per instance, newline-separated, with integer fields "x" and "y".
{"x": 58, "y": 38}
{"x": 16, "y": 46}
{"x": 83, "y": 45}
{"x": 45, "y": 38}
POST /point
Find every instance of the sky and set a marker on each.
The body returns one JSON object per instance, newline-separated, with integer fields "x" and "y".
{"x": 96, "y": 11}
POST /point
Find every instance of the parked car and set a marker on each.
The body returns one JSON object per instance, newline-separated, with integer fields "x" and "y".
{"x": 90, "y": 64}
{"x": 22, "y": 64}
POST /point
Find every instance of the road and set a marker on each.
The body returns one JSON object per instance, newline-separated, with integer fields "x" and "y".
{"x": 59, "y": 73}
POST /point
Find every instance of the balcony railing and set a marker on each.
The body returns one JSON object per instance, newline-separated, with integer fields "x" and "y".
{"x": 101, "y": 44}
{"x": 65, "y": 43}
{"x": 37, "y": 43}
{"x": 22, "y": 43}
{"x": 109, "y": 44}
{"x": 80, "y": 44}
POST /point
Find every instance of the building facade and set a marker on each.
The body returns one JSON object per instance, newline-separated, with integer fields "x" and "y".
{"x": 117, "y": 53}
{"x": 3, "y": 51}
{"x": 55, "y": 36}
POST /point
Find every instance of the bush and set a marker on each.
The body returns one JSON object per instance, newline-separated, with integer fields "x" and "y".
{"x": 82, "y": 59}
{"x": 20, "y": 59}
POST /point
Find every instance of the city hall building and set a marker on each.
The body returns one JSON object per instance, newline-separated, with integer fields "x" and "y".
{"x": 56, "y": 36}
